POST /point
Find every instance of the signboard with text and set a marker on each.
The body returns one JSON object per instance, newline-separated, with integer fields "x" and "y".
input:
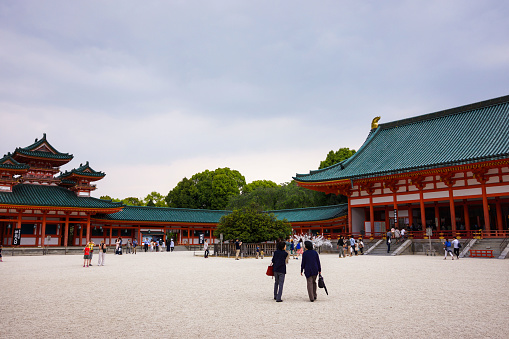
{"x": 16, "y": 239}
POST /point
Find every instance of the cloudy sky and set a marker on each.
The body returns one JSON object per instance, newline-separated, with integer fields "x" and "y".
{"x": 150, "y": 92}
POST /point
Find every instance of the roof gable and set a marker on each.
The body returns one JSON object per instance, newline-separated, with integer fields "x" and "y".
{"x": 42, "y": 149}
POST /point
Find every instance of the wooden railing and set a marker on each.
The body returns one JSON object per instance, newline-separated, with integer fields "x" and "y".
{"x": 446, "y": 234}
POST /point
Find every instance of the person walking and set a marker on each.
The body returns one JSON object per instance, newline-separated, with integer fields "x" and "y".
{"x": 102, "y": 253}
{"x": 352, "y": 246}
{"x": 389, "y": 236}
{"x": 206, "y": 248}
{"x": 456, "y": 247}
{"x": 279, "y": 261}
{"x": 128, "y": 246}
{"x": 311, "y": 267}
{"x": 341, "y": 243}
{"x": 86, "y": 255}
{"x": 145, "y": 245}
{"x": 299, "y": 249}
{"x": 91, "y": 244}
{"x": 361, "y": 245}
{"x": 172, "y": 245}
{"x": 447, "y": 249}
{"x": 237, "y": 248}
{"x": 135, "y": 244}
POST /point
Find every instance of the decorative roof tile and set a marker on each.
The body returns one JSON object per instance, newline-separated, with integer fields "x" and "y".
{"x": 312, "y": 213}
{"x": 467, "y": 134}
{"x": 164, "y": 214}
{"x": 83, "y": 170}
{"x": 42, "y": 149}
{"x": 55, "y": 196}
{"x": 7, "y": 162}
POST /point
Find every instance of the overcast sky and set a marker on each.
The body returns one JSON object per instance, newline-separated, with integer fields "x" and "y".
{"x": 150, "y": 92}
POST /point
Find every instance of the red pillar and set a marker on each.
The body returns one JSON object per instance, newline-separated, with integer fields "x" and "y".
{"x": 423, "y": 210}
{"x": 467, "y": 218}
{"x": 500, "y": 226}
{"x": 437, "y": 216}
{"x": 485, "y": 208}
{"x": 452, "y": 210}
{"x": 66, "y": 230}
{"x": 43, "y": 229}
{"x": 371, "y": 214}
{"x": 88, "y": 228}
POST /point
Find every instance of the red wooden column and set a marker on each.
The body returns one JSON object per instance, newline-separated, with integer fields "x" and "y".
{"x": 410, "y": 214}
{"x": 447, "y": 178}
{"x": 480, "y": 175}
{"x": 66, "y": 229}
{"x": 437, "y": 216}
{"x": 346, "y": 190}
{"x": 500, "y": 226}
{"x": 467, "y": 218}
{"x": 43, "y": 228}
{"x": 88, "y": 228}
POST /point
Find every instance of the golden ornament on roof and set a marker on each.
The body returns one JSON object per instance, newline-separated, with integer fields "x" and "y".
{"x": 374, "y": 123}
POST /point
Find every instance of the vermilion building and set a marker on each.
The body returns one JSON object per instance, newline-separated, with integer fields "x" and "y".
{"x": 49, "y": 208}
{"x": 448, "y": 170}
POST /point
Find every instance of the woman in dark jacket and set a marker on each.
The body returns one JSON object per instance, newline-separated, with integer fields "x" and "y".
{"x": 279, "y": 263}
{"x": 311, "y": 267}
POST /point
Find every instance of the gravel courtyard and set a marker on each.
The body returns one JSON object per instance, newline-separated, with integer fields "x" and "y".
{"x": 180, "y": 295}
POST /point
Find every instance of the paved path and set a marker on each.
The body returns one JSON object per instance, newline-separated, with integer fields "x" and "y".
{"x": 178, "y": 295}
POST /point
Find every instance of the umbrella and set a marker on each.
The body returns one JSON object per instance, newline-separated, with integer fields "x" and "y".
{"x": 321, "y": 284}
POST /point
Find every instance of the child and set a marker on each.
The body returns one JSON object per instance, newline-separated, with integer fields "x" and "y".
{"x": 86, "y": 257}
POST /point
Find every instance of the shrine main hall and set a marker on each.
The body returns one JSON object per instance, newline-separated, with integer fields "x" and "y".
{"x": 447, "y": 170}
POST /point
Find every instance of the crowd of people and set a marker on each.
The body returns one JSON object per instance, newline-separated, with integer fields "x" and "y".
{"x": 350, "y": 246}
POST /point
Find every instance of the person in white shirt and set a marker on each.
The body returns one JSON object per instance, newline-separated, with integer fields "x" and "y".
{"x": 456, "y": 247}
{"x": 206, "y": 248}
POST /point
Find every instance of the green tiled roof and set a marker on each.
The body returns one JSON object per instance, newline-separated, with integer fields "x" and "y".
{"x": 312, "y": 213}
{"x": 468, "y": 134}
{"x": 39, "y": 195}
{"x": 164, "y": 214}
{"x": 84, "y": 170}
{"x": 8, "y": 162}
{"x": 31, "y": 151}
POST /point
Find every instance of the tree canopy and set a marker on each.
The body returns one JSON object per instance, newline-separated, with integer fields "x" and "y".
{"x": 336, "y": 157}
{"x": 251, "y": 225}
{"x": 258, "y": 183}
{"x": 207, "y": 190}
{"x": 284, "y": 196}
{"x": 155, "y": 199}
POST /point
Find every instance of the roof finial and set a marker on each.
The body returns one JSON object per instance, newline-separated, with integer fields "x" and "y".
{"x": 374, "y": 123}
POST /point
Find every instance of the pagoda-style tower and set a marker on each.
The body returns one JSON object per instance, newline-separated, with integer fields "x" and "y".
{"x": 79, "y": 179}
{"x": 10, "y": 169}
{"x": 44, "y": 161}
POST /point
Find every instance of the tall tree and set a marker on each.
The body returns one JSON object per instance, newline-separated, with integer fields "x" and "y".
{"x": 155, "y": 199}
{"x": 336, "y": 157}
{"x": 258, "y": 183}
{"x": 207, "y": 190}
{"x": 132, "y": 201}
{"x": 251, "y": 225}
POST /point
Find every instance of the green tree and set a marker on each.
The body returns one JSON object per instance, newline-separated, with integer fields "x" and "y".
{"x": 132, "y": 201}
{"x": 336, "y": 157}
{"x": 155, "y": 199}
{"x": 207, "y": 190}
{"x": 258, "y": 183}
{"x": 285, "y": 196}
{"x": 107, "y": 197}
{"x": 251, "y": 225}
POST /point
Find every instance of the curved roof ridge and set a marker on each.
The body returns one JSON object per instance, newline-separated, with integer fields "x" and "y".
{"x": 446, "y": 112}
{"x": 307, "y": 208}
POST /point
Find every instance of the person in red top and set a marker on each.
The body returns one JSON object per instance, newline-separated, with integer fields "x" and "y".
{"x": 86, "y": 257}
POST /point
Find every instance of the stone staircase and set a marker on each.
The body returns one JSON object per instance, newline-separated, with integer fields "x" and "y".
{"x": 489, "y": 244}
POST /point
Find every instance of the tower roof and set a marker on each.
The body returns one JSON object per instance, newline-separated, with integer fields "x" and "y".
{"x": 8, "y": 163}
{"x": 84, "y": 171}
{"x": 41, "y": 149}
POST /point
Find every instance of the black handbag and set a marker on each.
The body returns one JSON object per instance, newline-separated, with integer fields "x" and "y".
{"x": 321, "y": 284}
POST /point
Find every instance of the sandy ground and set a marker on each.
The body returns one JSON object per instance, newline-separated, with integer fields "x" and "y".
{"x": 179, "y": 295}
